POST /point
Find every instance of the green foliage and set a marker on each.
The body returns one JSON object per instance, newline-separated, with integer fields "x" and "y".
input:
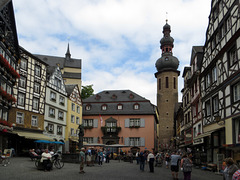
{"x": 87, "y": 91}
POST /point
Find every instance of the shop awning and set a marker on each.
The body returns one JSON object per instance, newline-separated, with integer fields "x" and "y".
{"x": 203, "y": 135}
{"x": 32, "y": 135}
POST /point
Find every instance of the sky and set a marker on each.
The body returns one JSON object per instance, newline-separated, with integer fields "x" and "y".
{"x": 117, "y": 40}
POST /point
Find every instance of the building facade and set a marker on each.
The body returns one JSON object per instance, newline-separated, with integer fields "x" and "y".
{"x": 120, "y": 117}
{"x": 55, "y": 116}
{"x": 27, "y": 114}
{"x": 167, "y": 89}
{"x": 220, "y": 81}
{"x": 74, "y": 118}
{"x": 9, "y": 57}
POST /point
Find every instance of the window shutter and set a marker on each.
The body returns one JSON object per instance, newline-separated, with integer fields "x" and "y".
{"x": 142, "y": 122}
{"x": 95, "y": 140}
{"x": 126, "y": 141}
{"x": 95, "y": 123}
{"x": 126, "y": 122}
{"x": 142, "y": 142}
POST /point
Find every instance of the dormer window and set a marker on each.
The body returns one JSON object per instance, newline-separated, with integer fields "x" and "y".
{"x": 104, "y": 107}
{"x": 114, "y": 96}
{"x": 131, "y": 96}
{"x": 136, "y": 106}
{"x": 98, "y": 97}
{"x": 119, "y": 106}
{"x": 88, "y": 107}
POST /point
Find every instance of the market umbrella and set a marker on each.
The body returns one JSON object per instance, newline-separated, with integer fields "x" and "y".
{"x": 43, "y": 141}
{"x": 57, "y": 142}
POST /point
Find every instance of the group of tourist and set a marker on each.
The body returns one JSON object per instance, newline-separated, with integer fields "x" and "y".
{"x": 174, "y": 160}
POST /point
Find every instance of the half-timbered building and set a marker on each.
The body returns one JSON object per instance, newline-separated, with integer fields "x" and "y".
{"x": 9, "y": 57}
{"x": 196, "y": 104}
{"x": 186, "y": 124}
{"x": 27, "y": 114}
{"x": 55, "y": 106}
{"x": 220, "y": 80}
{"x": 74, "y": 118}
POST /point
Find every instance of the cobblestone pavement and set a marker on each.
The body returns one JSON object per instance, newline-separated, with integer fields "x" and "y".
{"x": 24, "y": 169}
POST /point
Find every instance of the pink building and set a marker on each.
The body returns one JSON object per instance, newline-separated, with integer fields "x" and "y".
{"x": 120, "y": 117}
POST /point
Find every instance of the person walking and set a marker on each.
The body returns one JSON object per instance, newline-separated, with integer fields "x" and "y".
{"x": 100, "y": 157}
{"x": 142, "y": 160}
{"x": 186, "y": 167}
{"x": 167, "y": 160}
{"x": 175, "y": 165}
{"x": 108, "y": 155}
{"x": 82, "y": 159}
{"x": 150, "y": 160}
{"x": 137, "y": 159}
{"x": 230, "y": 169}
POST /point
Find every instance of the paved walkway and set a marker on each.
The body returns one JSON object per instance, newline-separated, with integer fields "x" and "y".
{"x": 24, "y": 169}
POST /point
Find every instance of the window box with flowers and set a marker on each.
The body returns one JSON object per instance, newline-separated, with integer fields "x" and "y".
{"x": 7, "y": 96}
{"x": 8, "y": 67}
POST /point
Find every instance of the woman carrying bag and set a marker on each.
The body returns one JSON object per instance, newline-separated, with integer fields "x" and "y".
{"x": 186, "y": 167}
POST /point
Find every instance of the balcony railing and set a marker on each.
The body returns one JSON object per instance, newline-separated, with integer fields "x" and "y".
{"x": 110, "y": 130}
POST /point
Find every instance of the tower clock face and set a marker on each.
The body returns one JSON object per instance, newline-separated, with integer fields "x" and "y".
{"x": 166, "y": 58}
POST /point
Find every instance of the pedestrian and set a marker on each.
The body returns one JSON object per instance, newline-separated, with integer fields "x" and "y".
{"x": 88, "y": 153}
{"x": 230, "y": 169}
{"x": 167, "y": 160}
{"x": 142, "y": 160}
{"x": 175, "y": 165}
{"x": 150, "y": 160}
{"x": 93, "y": 157}
{"x": 82, "y": 159}
{"x": 108, "y": 155}
{"x": 236, "y": 175}
{"x": 100, "y": 157}
{"x": 186, "y": 167}
{"x": 137, "y": 157}
{"x": 130, "y": 155}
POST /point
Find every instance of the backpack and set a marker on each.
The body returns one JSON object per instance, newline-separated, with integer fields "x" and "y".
{"x": 187, "y": 165}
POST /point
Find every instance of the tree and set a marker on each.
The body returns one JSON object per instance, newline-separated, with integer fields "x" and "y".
{"x": 87, "y": 91}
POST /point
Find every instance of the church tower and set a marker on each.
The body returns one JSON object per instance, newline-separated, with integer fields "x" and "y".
{"x": 167, "y": 88}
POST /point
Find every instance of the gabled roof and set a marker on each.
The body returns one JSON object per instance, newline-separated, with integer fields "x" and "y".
{"x": 54, "y": 60}
{"x": 197, "y": 51}
{"x": 112, "y": 98}
{"x": 186, "y": 69}
{"x": 70, "y": 88}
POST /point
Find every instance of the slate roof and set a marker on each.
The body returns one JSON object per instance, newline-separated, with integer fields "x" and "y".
{"x": 70, "y": 88}
{"x": 54, "y": 60}
{"x": 112, "y": 98}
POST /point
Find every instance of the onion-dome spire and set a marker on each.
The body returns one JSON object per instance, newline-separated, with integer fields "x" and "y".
{"x": 68, "y": 55}
{"x": 167, "y": 61}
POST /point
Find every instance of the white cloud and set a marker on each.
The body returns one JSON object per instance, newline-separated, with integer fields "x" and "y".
{"x": 117, "y": 40}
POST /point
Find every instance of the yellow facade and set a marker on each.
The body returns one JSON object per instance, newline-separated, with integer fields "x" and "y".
{"x": 73, "y": 124}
